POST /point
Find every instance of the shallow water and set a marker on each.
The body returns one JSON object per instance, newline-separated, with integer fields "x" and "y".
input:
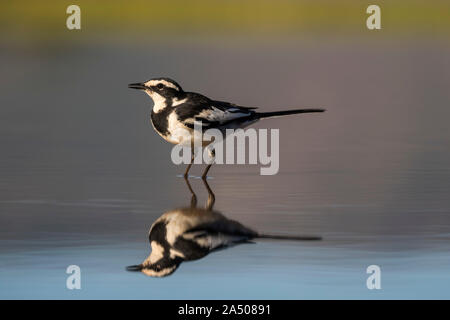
{"x": 83, "y": 176}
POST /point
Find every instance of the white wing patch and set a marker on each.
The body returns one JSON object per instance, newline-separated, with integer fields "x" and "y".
{"x": 213, "y": 241}
{"x": 216, "y": 114}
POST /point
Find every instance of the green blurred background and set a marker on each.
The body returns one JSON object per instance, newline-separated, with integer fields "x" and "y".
{"x": 45, "y": 20}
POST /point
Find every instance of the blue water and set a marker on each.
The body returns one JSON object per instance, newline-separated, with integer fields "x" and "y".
{"x": 254, "y": 271}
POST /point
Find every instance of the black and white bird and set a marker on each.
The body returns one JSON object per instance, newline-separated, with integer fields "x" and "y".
{"x": 187, "y": 234}
{"x": 175, "y": 112}
{"x": 191, "y": 233}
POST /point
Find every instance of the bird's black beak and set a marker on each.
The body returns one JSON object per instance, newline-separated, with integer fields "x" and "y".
{"x": 137, "y": 267}
{"x": 138, "y": 86}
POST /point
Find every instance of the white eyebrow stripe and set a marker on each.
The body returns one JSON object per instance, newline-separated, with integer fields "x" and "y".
{"x": 164, "y": 82}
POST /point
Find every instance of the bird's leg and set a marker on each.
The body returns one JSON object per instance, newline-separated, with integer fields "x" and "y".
{"x": 212, "y": 153}
{"x": 211, "y": 196}
{"x": 204, "y": 175}
{"x": 186, "y": 173}
{"x": 194, "y": 197}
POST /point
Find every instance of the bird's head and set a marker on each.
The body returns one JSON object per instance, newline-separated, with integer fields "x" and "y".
{"x": 159, "y": 270}
{"x": 160, "y": 263}
{"x": 163, "y": 91}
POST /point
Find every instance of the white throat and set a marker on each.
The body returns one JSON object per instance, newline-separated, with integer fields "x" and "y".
{"x": 158, "y": 100}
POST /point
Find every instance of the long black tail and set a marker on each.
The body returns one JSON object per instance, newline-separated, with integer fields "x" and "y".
{"x": 261, "y": 115}
{"x": 281, "y": 237}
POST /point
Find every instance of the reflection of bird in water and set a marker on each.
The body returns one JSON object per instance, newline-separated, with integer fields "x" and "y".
{"x": 191, "y": 233}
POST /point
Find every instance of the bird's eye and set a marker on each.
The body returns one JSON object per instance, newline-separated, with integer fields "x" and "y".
{"x": 160, "y": 86}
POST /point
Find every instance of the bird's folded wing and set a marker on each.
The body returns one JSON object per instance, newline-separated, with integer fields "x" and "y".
{"x": 218, "y": 113}
{"x": 224, "y": 226}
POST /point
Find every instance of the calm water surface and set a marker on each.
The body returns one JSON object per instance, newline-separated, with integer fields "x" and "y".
{"x": 83, "y": 176}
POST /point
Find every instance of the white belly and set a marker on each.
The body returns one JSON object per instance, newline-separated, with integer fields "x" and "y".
{"x": 178, "y": 133}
